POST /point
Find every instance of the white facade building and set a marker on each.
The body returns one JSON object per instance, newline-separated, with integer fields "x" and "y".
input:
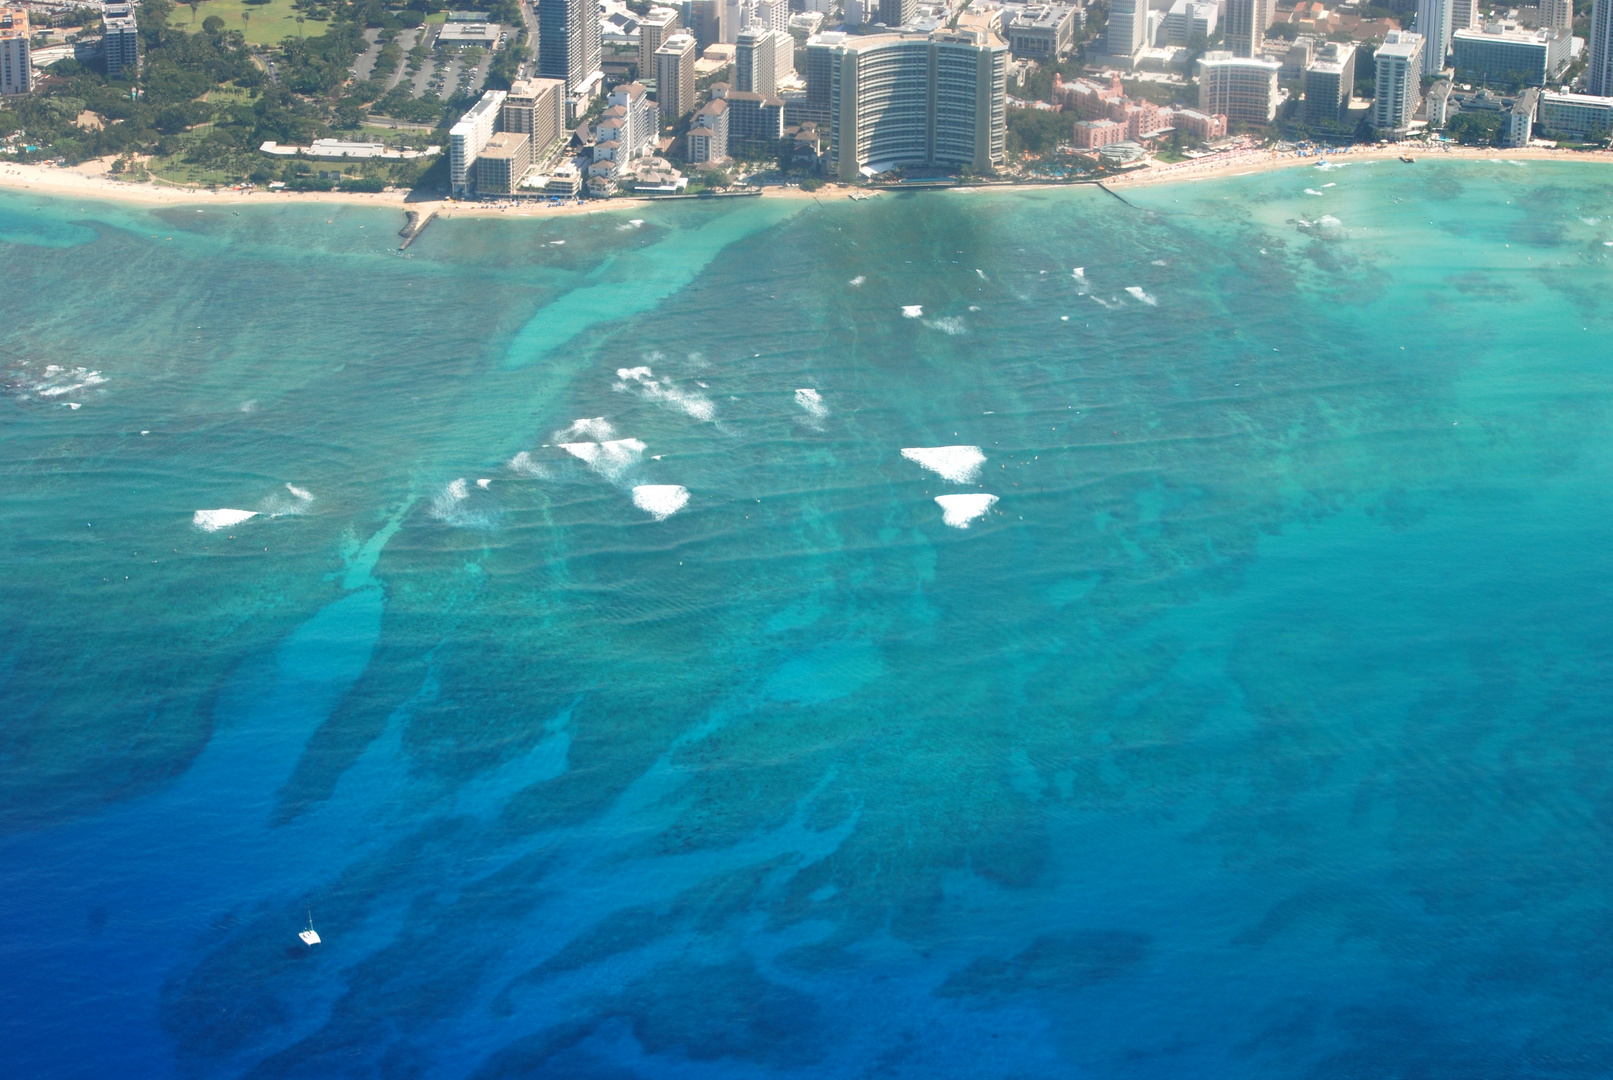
{"x": 1434, "y": 24}
{"x": 1127, "y": 30}
{"x": 467, "y": 138}
{"x": 1189, "y": 17}
{"x": 1397, "y": 90}
{"x": 1239, "y": 87}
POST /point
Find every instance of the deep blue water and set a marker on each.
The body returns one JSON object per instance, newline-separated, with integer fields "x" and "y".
{"x": 1258, "y": 729}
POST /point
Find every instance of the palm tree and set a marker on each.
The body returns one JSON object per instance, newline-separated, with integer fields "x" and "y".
{"x": 299, "y": 26}
{"x": 195, "y": 10}
{"x": 246, "y": 21}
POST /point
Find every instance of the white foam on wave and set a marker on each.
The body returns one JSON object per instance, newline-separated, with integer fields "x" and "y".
{"x": 59, "y": 381}
{"x": 302, "y": 493}
{"x": 857, "y": 281}
{"x": 1328, "y": 185}
{"x": 1110, "y": 304}
{"x": 1326, "y": 165}
{"x": 958, "y": 510}
{"x": 214, "y": 520}
{"x": 630, "y": 224}
{"x": 1312, "y": 191}
{"x": 982, "y": 274}
{"x": 1137, "y": 292}
{"x": 484, "y": 484}
{"x": 812, "y": 402}
{"x": 75, "y": 405}
{"x": 524, "y": 465}
{"x": 642, "y": 381}
{"x": 597, "y": 429}
{"x": 448, "y": 507}
{"x": 1328, "y": 221}
{"x": 660, "y": 500}
{"x": 949, "y": 324}
{"x": 913, "y": 311}
{"x": 610, "y": 459}
{"x": 959, "y": 464}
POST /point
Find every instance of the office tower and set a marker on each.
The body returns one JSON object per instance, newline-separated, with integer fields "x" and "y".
{"x": 706, "y": 19}
{"x": 674, "y": 77}
{"x": 120, "y": 41}
{"x": 1127, "y": 30}
{"x": 772, "y": 14}
{"x": 1245, "y": 25}
{"x": 568, "y": 41}
{"x": 1434, "y": 24}
{"x": 1599, "y": 74}
{"x": 1328, "y": 81}
{"x": 467, "y": 138}
{"x": 1187, "y": 18}
{"x": 902, "y": 99}
{"x": 893, "y": 13}
{"x": 1397, "y": 90}
{"x": 536, "y": 108}
{"x": 1465, "y": 14}
{"x": 16, "y": 70}
{"x": 1554, "y": 15}
{"x": 654, "y": 28}
{"x": 1238, "y": 87}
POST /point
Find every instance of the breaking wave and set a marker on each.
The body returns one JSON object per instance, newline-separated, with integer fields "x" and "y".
{"x": 523, "y": 464}
{"x": 959, "y": 464}
{"x": 1137, "y": 292}
{"x": 214, "y": 520}
{"x": 660, "y": 500}
{"x": 611, "y": 459}
{"x": 958, "y": 510}
{"x": 642, "y": 381}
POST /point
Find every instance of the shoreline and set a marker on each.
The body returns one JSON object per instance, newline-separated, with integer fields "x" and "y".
{"x": 91, "y": 181}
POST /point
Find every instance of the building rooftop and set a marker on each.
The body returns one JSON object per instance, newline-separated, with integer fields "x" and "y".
{"x": 1400, "y": 44}
{"x": 505, "y": 144}
{"x": 1506, "y": 32}
{"x": 1048, "y": 16}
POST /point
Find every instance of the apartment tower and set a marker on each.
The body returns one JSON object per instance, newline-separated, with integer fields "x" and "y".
{"x": 568, "y": 41}
{"x": 674, "y": 77}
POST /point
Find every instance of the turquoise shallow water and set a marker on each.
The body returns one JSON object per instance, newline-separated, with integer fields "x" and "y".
{"x": 1258, "y": 729}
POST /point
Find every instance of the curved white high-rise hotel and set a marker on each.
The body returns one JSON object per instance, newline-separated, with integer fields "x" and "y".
{"x": 916, "y": 99}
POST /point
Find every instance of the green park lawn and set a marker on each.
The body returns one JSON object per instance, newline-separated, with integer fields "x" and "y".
{"x": 268, "y": 24}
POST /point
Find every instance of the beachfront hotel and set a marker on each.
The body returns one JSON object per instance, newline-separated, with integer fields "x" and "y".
{"x": 916, "y": 99}
{"x": 467, "y": 138}
{"x": 1504, "y": 53}
{"x": 536, "y": 108}
{"x": 1239, "y": 87}
{"x": 16, "y": 72}
{"x": 1397, "y": 85}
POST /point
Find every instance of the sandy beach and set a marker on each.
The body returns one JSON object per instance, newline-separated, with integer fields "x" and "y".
{"x": 1244, "y": 163}
{"x": 91, "y": 180}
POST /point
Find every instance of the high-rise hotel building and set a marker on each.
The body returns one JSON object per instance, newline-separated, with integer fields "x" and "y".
{"x": 16, "y": 74}
{"x": 1599, "y": 73}
{"x": 568, "y": 41}
{"x": 915, "y": 99}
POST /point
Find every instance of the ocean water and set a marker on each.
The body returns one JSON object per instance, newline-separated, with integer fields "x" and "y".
{"x": 960, "y": 635}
